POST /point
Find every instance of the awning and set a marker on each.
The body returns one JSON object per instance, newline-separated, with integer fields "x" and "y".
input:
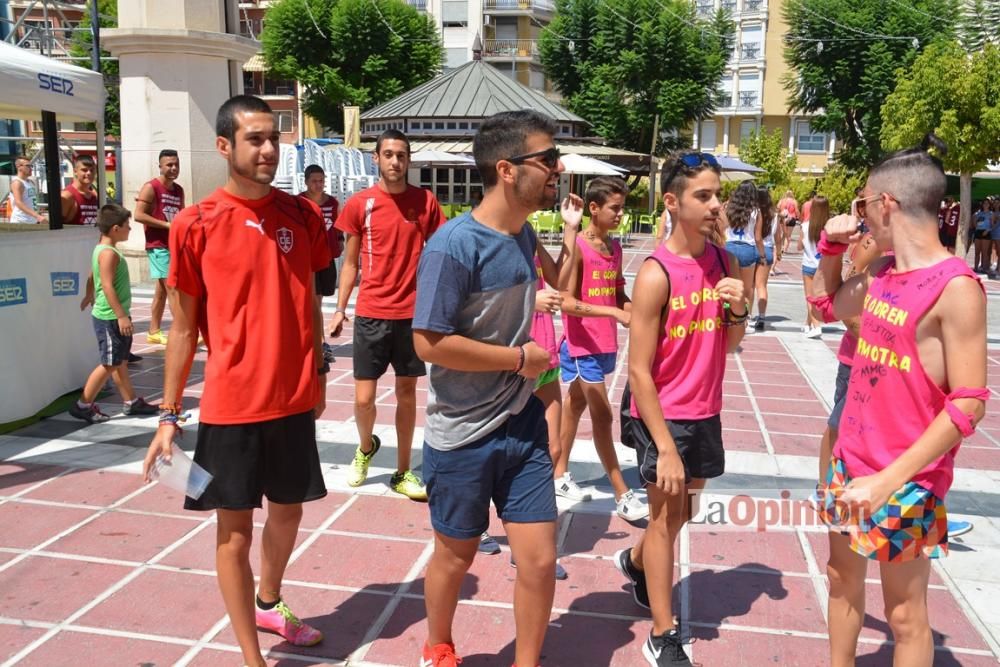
{"x": 255, "y": 64}
{"x": 32, "y": 83}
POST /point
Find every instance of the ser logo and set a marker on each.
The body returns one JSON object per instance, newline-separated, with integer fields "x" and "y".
{"x": 13, "y": 291}
{"x": 56, "y": 84}
{"x": 65, "y": 283}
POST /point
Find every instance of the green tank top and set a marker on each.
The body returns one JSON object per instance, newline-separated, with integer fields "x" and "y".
{"x": 123, "y": 287}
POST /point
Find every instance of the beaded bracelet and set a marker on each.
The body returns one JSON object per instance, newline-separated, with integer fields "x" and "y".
{"x": 520, "y": 361}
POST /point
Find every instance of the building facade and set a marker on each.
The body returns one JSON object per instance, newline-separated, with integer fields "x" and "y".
{"x": 751, "y": 95}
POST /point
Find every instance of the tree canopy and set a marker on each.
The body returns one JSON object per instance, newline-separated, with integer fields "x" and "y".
{"x": 350, "y": 52}
{"x": 81, "y": 46}
{"x": 843, "y": 57}
{"x": 619, "y": 64}
{"x": 769, "y": 151}
{"x": 956, "y": 95}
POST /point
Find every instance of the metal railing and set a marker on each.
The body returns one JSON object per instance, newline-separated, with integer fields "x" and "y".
{"x": 753, "y": 5}
{"x": 523, "y": 5}
{"x": 750, "y": 51}
{"x": 704, "y": 8}
{"x": 510, "y": 48}
{"x": 748, "y": 100}
{"x": 729, "y": 5}
{"x": 419, "y": 5}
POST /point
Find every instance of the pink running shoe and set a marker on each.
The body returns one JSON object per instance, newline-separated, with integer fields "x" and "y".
{"x": 282, "y": 621}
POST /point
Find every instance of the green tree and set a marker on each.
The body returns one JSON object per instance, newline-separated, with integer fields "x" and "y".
{"x": 956, "y": 95}
{"x": 979, "y": 24}
{"x": 81, "y": 48}
{"x": 350, "y": 52}
{"x": 843, "y": 56}
{"x": 838, "y": 186}
{"x": 620, "y": 64}
{"x": 769, "y": 151}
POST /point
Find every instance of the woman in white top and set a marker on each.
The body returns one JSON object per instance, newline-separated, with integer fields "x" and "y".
{"x": 812, "y": 228}
{"x": 772, "y": 234}
{"x": 23, "y": 197}
{"x": 743, "y": 238}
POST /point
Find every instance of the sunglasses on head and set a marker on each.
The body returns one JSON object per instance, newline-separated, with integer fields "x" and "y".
{"x": 550, "y": 157}
{"x": 691, "y": 161}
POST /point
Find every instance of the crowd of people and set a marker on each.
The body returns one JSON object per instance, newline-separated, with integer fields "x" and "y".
{"x": 471, "y": 302}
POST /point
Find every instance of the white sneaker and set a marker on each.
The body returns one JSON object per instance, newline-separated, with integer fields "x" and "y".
{"x": 815, "y": 332}
{"x": 567, "y": 488}
{"x": 631, "y": 508}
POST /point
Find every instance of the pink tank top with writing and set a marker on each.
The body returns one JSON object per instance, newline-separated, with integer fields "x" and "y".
{"x": 890, "y": 398}
{"x": 600, "y": 279}
{"x": 690, "y": 358}
{"x": 86, "y": 207}
{"x": 543, "y": 330}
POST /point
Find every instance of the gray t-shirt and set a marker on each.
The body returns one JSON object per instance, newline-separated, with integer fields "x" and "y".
{"x": 479, "y": 283}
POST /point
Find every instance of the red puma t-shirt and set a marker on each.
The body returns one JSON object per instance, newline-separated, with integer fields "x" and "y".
{"x": 393, "y": 230}
{"x": 251, "y": 264}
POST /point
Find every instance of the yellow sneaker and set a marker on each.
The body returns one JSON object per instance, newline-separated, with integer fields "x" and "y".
{"x": 409, "y": 485}
{"x": 156, "y": 337}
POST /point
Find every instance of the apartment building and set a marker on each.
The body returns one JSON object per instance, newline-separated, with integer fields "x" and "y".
{"x": 751, "y": 95}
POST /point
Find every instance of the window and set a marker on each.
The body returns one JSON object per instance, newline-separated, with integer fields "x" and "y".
{"x": 286, "y": 121}
{"x": 749, "y": 96}
{"x": 452, "y": 125}
{"x": 278, "y": 87}
{"x": 454, "y": 13}
{"x": 464, "y": 125}
{"x": 807, "y": 139}
{"x": 439, "y": 125}
{"x": 708, "y": 140}
{"x": 747, "y": 127}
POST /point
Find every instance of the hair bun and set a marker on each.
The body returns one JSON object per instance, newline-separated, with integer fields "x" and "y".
{"x": 932, "y": 142}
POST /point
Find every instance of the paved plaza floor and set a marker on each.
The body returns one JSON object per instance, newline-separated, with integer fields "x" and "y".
{"x": 96, "y": 568}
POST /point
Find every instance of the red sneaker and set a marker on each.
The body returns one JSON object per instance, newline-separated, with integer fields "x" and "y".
{"x": 439, "y": 655}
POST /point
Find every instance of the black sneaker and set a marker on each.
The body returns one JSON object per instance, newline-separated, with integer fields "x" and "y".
{"x": 91, "y": 414}
{"x": 636, "y": 577}
{"x": 139, "y": 407}
{"x": 328, "y": 355}
{"x": 665, "y": 650}
{"x": 759, "y": 324}
{"x": 134, "y": 358}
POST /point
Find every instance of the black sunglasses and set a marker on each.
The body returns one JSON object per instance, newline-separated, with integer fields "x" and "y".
{"x": 550, "y": 157}
{"x": 691, "y": 161}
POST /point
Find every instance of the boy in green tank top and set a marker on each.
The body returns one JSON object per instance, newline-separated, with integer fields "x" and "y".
{"x": 110, "y": 293}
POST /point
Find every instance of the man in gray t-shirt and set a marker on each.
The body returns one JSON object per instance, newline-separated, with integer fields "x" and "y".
{"x": 486, "y": 437}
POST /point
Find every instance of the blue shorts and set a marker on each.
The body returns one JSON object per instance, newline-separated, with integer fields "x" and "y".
{"x": 591, "y": 368}
{"x": 510, "y": 466}
{"x": 745, "y": 253}
{"x": 159, "y": 262}
{"x": 809, "y": 271}
{"x": 111, "y": 344}
{"x": 839, "y": 395}
{"x": 769, "y": 254}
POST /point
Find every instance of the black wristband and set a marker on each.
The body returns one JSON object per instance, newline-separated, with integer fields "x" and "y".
{"x": 324, "y": 369}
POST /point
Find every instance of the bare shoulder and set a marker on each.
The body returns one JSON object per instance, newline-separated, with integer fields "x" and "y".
{"x": 963, "y": 299}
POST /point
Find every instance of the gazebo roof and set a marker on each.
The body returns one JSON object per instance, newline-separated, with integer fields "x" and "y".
{"x": 474, "y": 90}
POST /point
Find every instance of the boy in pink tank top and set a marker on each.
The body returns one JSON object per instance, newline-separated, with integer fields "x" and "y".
{"x": 916, "y": 389}
{"x": 594, "y": 303}
{"x": 687, "y": 314}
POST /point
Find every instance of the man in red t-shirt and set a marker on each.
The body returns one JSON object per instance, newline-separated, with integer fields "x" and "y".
{"x": 155, "y": 207}
{"x": 79, "y": 200}
{"x": 242, "y": 274}
{"x": 387, "y": 226}
{"x": 326, "y": 279}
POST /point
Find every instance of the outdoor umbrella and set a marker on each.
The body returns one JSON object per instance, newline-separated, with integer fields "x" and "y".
{"x": 581, "y": 164}
{"x": 735, "y": 164}
{"x": 434, "y": 158}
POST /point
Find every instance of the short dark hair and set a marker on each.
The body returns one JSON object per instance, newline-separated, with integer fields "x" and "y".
{"x": 391, "y": 135}
{"x": 167, "y": 152}
{"x": 313, "y": 169}
{"x": 84, "y": 159}
{"x": 602, "y": 187}
{"x": 675, "y": 173}
{"x": 111, "y": 215}
{"x": 225, "y": 120}
{"x": 914, "y": 177}
{"x": 503, "y": 135}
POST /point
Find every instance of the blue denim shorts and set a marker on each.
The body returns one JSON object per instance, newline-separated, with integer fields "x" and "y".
{"x": 809, "y": 271}
{"x": 591, "y": 368}
{"x": 745, "y": 253}
{"x": 510, "y": 466}
{"x": 769, "y": 254}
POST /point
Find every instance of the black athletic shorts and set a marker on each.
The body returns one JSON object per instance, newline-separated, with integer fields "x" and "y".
{"x": 276, "y": 458}
{"x": 378, "y": 343}
{"x": 326, "y": 280}
{"x": 698, "y": 441}
{"x": 982, "y": 235}
{"x": 947, "y": 238}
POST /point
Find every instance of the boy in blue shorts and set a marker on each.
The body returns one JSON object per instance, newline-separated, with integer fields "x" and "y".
{"x": 109, "y": 291}
{"x": 485, "y": 435}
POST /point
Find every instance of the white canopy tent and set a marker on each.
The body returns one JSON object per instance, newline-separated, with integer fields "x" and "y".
{"x": 32, "y": 83}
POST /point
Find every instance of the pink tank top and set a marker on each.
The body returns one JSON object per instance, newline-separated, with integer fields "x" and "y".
{"x": 543, "y": 331}
{"x": 690, "y": 359}
{"x": 890, "y": 399}
{"x": 845, "y": 354}
{"x": 601, "y": 278}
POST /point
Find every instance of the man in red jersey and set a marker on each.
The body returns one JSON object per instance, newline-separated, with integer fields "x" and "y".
{"x": 326, "y": 280}
{"x": 155, "y": 207}
{"x": 242, "y": 273}
{"x": 388, "y": 225}
{"x": 79, "y": 200}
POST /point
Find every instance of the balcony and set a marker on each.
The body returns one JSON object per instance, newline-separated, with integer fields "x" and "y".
{"x": 753, "y": 6}
{"x": 419, "y": 5}
{"x": 749, "y": 101}
{"x": 518, "y": 6}
{"x": 750, "y": 52}
{"x": 705, "y": 8}
{"x": 729, "y": 6}
{"x": 723, "y": 101}
{"x": 510, "y": 49}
